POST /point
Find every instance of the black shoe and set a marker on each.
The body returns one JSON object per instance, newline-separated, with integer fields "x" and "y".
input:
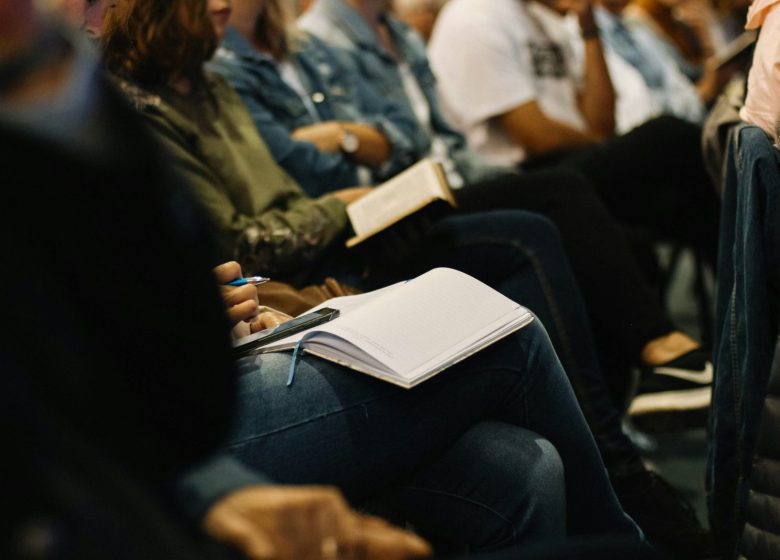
{"x": 667, "y": 519}
{"x": 675, "y": 394}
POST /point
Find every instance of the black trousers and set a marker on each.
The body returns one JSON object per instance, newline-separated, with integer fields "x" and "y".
{"x": 652, "y": 177}
{"x": 624, "y": 309}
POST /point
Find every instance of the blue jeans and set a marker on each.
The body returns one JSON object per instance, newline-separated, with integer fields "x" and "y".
{"x": 458, "y": 456}
{"x": 521, "y": 255}
{"x": 746, "y": 322}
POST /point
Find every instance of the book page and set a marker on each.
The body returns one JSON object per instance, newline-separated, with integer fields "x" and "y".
{"x": 430, "y": 316}
{"x": 402, "y": 195}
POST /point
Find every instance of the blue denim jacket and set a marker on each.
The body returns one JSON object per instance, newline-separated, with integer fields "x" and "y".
{"x": 337, "y": 23}
{"x": 337, "y": 94}
{"x": 746, "y": 315}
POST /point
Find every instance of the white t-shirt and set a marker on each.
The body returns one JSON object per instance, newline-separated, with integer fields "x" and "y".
{"x": 422, "y": 111}
{"x": 491, "y": 56}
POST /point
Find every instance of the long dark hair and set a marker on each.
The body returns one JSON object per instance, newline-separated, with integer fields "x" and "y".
{"x": 152, "y": 41}
{"x": 271, "y": 28}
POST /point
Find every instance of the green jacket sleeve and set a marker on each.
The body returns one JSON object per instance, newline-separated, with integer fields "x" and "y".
{"x": 281, "y": 238}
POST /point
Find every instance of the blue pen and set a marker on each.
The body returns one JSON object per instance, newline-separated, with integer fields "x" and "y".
{"x": 248, "y": 280}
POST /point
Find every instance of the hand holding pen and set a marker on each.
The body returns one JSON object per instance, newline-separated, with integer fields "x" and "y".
{"x": 240, "y": 298}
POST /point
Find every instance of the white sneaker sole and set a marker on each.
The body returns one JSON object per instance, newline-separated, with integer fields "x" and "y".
{"x": 701, "y": 377}
{"x": 671, "y": 401}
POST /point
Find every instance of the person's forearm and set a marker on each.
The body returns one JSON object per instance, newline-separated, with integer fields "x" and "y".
{"x": 529, "y": 127}
{"x": 597, "y": 101}
{"x": 373, "y": 149}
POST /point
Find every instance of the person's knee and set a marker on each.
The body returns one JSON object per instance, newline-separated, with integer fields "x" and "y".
{"x": 528, "y": 471}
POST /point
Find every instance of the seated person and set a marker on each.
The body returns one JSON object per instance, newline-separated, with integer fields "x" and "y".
{"x": 548, "y": 111}
{"x": 135, "y": 384}
{"x": 154, "y": 392}
{"x": 627, "y": 319}
{"x": 337, "y": 134}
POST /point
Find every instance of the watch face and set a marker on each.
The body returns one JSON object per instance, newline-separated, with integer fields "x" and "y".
{"x": 349, "y": 143}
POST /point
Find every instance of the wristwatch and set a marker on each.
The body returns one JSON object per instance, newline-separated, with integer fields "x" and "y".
{"x": 349, "y": 142}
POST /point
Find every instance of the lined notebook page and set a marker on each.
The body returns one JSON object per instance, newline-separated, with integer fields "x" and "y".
{"x": 422, "y": 319}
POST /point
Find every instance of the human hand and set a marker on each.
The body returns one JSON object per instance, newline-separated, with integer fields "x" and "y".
{"x": 241, "y": 301}
{"x": 267, "y": 319}
{"x": 350, "y": 195}
{"x": 311, "y": 522}
{"x": 325, "y": 135}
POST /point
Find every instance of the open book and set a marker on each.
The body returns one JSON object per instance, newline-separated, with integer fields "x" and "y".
{"x": 395, "y": 199}
{"x": 410, "y": 331}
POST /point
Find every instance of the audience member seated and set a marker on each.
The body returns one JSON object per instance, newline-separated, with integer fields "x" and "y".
{"x": 135, "y": 383}
{"x": 321, "y": 123}
{"x": 152, "y": 392}
{"x": 547, "y": 111}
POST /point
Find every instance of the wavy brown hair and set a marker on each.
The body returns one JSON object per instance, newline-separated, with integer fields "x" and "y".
{"x": 152, "y": 41}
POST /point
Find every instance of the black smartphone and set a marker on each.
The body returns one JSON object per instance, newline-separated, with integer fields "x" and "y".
{"x": 301, "y": 323}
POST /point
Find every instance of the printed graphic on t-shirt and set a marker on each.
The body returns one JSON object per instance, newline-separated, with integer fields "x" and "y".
{"x": 547, "y": 59}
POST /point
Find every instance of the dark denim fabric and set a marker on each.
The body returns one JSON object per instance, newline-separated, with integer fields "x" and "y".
{"x": 458, "y": 456}
{"x": 336, "y": 92}
{"x": 746, "y": 321}
{"x": 338, "y": 24}
{"x": 521, "y": 255}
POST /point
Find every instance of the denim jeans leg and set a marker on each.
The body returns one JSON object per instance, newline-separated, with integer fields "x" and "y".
{"x": 335, "y": 426}
{"x": 521, "y": 255}
{"x": 470, "y": 489}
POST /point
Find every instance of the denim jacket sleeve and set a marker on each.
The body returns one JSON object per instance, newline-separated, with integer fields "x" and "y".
{"x": 206, "y": 483}
{"x": 400, "y": 127}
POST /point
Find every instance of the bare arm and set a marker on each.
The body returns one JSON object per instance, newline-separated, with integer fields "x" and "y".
{"x": 528, "y": 126}
{"x": 373, "y": 148}
{"x": 597, "y": 98}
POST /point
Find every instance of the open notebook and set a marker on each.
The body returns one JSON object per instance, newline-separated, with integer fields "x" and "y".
{"x": 410, "y": 331}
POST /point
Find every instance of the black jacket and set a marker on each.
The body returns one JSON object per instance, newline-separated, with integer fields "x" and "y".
{"x": 115, "y": 365}
{"x": 761, "y": 534}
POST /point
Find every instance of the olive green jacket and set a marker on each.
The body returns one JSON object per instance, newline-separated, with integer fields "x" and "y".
{"x": 264, "y": 219}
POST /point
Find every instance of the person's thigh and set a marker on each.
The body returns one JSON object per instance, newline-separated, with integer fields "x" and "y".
{"x": 338, "y": 426}
{"x": 654, "y": 177}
